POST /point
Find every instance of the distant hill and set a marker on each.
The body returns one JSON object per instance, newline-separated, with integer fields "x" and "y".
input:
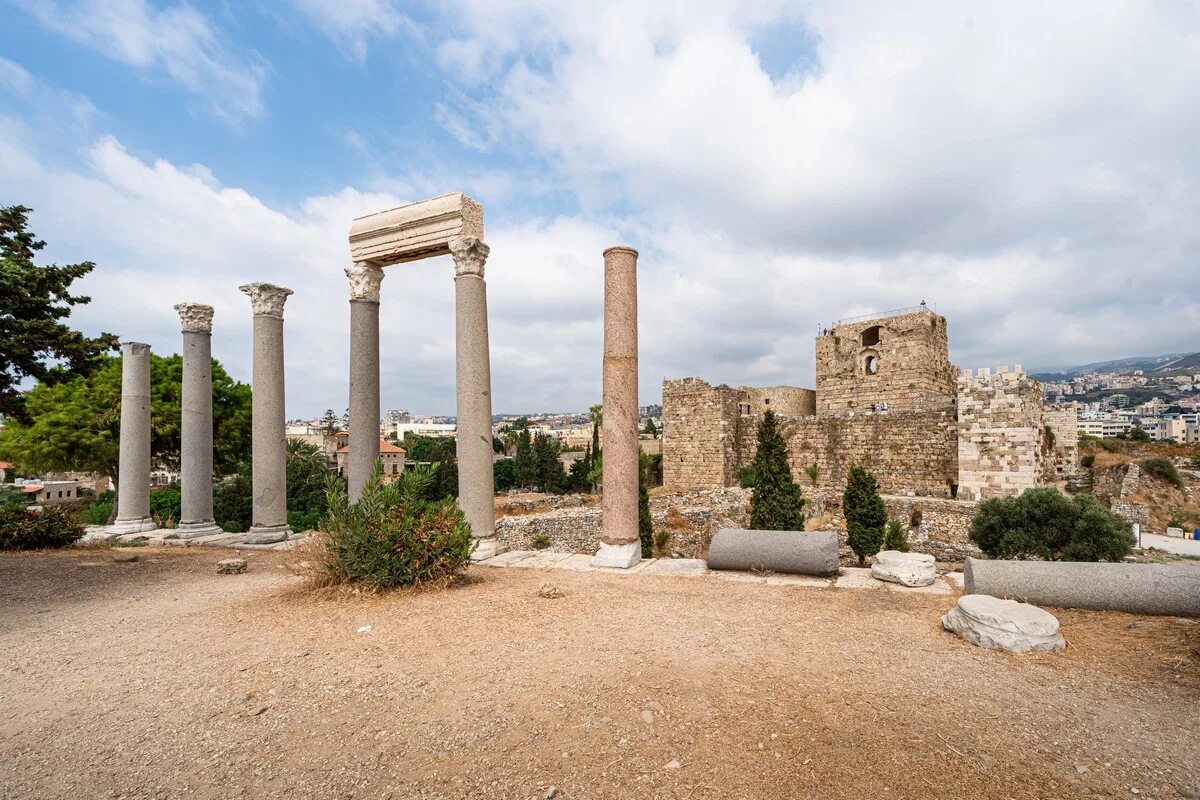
{"x": 1166, "y": 364}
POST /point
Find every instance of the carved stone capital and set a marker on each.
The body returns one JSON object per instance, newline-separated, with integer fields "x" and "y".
{"x": 195, "y": 317}
{"x": 266, "y": 299}
{"x": 470, "y": 254}
{"x": 364, "y": 282}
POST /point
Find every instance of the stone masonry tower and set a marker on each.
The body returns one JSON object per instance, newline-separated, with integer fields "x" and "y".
{"x": 902, "y": 360}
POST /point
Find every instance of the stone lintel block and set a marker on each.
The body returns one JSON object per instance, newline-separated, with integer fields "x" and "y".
{"x": 415, "y": 231}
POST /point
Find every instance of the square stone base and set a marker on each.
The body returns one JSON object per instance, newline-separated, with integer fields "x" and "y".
{"x": 264, "y": 534}
{"x": 194, "y": 530}
{"x": 618, "y": 556}
{"x": 124, "y": 526}
{"x": 487, "y": 548}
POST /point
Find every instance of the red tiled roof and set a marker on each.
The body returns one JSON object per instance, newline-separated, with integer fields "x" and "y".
{"x": 384, "y": 447}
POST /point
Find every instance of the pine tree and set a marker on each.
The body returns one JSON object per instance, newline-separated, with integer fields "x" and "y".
{"x": 865, "y": 514}
{"x": 895, "y": 539}
{"x": 526, "y": 463}
{"x": 645, "y": 522}
{"x": 777, "y": 503}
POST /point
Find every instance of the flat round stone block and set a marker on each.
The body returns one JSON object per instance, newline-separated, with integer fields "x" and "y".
{"x": 999, "y": 624}
{"x": 906, "y": 569}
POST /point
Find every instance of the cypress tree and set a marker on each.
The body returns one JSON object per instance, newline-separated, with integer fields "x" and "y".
{"x": 777, "y": 503}
{"x": 526, "y": 461}
{"x": 895, "y": 539}
{"x": 866, "y": 516}
{"x": 645, "y": 523}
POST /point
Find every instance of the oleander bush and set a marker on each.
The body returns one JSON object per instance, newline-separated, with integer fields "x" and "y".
{"x": 22, "y": 529}
{"x": 1043, "y": 523}
{"x": 392, "y": 537}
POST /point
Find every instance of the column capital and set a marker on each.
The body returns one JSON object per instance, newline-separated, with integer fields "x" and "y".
{"x": 470, "y": 254}
{"x": 364, "y": 281}
{"x": 195, "y": 317}
{"x": 266, "y": 299}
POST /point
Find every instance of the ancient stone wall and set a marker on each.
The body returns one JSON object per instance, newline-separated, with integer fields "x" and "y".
{"x": 1000, "y": 433}
{"x": 1062, "y": 442}
{"x": 902, "y": 361}
{"x": 699, "y": 426}
{"x": 943, "y": 526}
{"x": 787, "y": 401}
{"x": 909, "y": 451}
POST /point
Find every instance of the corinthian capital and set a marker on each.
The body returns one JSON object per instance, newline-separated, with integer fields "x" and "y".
{"x": 469, "y": 254}
{"x": 364, "y": 282}
{"x": 195, "y": 317}
{"x": 266, "y": 299}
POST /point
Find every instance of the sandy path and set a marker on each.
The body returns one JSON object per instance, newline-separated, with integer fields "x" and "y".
{"x": 162, "y": 679}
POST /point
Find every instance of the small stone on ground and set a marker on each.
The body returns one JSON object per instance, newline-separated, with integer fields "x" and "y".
{"x": 231, "y": 566}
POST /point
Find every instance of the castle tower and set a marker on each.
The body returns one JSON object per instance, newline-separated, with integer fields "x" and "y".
{"x": 902, "y": 361}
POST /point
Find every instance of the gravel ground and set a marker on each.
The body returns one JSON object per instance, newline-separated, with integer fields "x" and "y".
{"x": 162, "y": 679}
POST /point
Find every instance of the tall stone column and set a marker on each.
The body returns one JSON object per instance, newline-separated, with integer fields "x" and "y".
{"x": 196, "y": 446}
{"x": 473, "y": 372}
{"x": 133, "y": 469}
{"x": 269, "y": 447}
{"x": 619, "y": 544}
{"x": 364, "y": 375}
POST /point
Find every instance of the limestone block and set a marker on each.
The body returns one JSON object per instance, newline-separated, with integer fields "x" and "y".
{"x": 415, "y": 231}
{"x": 994, "y": 623}
{"x": 906, "y": 569}
{"x": 795, "y": 552}
{"x": 231, "y": 566}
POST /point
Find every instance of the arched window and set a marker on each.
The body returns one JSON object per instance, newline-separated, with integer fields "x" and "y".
{"x": 871, "y": 365}
{"x": 870, "y": 336}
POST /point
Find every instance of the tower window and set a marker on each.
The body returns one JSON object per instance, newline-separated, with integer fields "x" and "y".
{"x": 870, "y": 337}
{"x": 871, "y": 365}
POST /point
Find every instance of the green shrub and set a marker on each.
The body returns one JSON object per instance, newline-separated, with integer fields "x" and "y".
{"x": 165, "y": 502}
{"x": 305, "y": 520}
{"x": 1044, "y": 523}
{"x": 540, "y": 542}
{"x": 392, "y": 537}
{"x": 645, "y": 523}
{"x": 232, "y": 526}
{"x": 504, "y": 474}
{"x": 865, "y": 514}
{"x": 1162, "y": 469}
{"x": 1109, "y": 446}
{"x": 776, "y": 504}
{"x": 661, "y": 538}
{"x": 22, "y": 529}
{"x": 99, "y": 510}
{"x": 746, "y": 477}
{"x": 894, "y": 537}
{"x": 1088, "y": 461}
{"x": 233, "y": 503}
{"x": 814, "y": 472}
{"x": 12, "y": 498}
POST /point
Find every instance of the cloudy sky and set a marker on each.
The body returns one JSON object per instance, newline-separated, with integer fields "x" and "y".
{"x": 1031, "y": 169}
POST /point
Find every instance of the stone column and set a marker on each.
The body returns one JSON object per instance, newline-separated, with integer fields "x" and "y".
{"x": 196, "y": 447}
{"x": 619, "y": 543}
{"x": 473, "y": 372}
{"x": 268, "y": 448}
{"x": 364, "y": 375}
{"x": 133, "y": 477}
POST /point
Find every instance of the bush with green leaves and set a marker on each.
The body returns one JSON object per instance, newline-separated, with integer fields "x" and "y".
{"x": 504, "y": 474}
{"x": 776, "y": 503}
{"x": 165, "y": 504}
{"x": 894, "y": 537}
{"x": 26, "y": 529}
{"x": 99, "y": 511}
{"x": 866, "y": 516}
{"x": 1162, "y": 469}
{"x": 12, "y": 497}
{"x": 1088, "y": 461}
{"x": 645, "y": 523}
{"x": 1043, "y": 523}
{"x": 392, "y": 537}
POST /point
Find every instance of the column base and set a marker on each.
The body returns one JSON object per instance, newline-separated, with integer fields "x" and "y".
{"x": 194, "y": 530}
{"x": 617, "y": 556}
{"x": 123, "y": 526}
{"x": 267, "y": 534}
{"x": 486, "y": 548}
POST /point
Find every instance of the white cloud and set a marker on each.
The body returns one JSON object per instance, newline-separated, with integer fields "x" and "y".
{"x": 351, "y": 24}
{"x": 177, "y": 40}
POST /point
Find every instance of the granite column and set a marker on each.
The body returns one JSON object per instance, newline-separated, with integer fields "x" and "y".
{"x": 268, "y": 446}
{"x": 196, "y": 446}
{"x": 473, "y": 373}
{"x": 619, "y": 543}
{"x": 133, "y": 469}
{"x": 364, "y": 375}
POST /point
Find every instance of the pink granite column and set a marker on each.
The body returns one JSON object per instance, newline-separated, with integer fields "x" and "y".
{"x": 364, "y": 376}
{"x": 619, "y": 544}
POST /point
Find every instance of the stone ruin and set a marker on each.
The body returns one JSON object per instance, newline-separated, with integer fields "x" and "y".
{"x": 887, "y": 398}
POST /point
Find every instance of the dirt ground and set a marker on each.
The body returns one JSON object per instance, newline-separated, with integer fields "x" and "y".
{"x": 162, "y": 679}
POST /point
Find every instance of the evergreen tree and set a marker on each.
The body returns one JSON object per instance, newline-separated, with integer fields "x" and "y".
{"x": 550, "y": 474}
{"x": 578, "y": 473}
{"x": 650, "y": 429}
{"x": 865, "y": 514}
{"x": 645, "y": 523}
{"x": 777, "y": 503}
{"x": 34, "y": 302}
{"x": 895, "y": 539}
{"x": 526, "y": 463}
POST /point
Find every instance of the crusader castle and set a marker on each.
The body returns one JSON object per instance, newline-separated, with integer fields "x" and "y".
{"x": 888, "y": 398}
